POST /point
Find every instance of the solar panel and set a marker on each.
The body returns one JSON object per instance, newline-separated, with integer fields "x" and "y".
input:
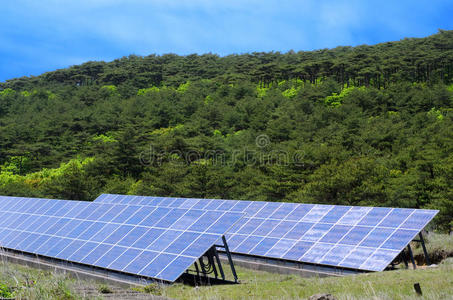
{"x": 364, "y": 238}
{"x": 155, "y": 242}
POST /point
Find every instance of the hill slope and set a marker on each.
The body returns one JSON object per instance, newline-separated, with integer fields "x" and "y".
{"x": 367, "y": 125}
{"x": 416, "y": 60}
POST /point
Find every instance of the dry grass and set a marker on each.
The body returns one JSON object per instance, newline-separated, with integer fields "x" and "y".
{"x": 23, "y": 282}
{"x": 436, "y": 283}
{"x": 28, "y": 283}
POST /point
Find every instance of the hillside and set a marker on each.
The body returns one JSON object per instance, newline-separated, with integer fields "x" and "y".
{"x": 366, "y": 125}
{"x": 412, "y": 59}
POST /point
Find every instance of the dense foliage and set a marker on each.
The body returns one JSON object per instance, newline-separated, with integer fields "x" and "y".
{"x": 368, "y": 125}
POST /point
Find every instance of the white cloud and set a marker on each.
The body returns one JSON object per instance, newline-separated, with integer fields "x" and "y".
{"x": 74, "y": 31}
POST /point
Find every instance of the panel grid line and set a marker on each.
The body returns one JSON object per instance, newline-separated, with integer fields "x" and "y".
{"x": 390, "y": 235}
{"x": 339, "y": 241}
{"x": 161, "y": 235}
{"x": 251, "y": 218}
{"x": 325, "y": 227}
{"x": 282, "y": 220}
{"x": 273, "y": 219}
{"x": 92, "y": 239}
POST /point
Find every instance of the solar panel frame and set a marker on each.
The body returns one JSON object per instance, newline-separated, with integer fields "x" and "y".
{"x": 302, "y": 229}
{"x": 78, "y": 239}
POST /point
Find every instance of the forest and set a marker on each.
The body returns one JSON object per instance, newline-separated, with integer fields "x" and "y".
{"x": 365, "y": 125}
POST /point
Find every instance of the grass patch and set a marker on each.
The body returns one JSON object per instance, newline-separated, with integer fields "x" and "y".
{"x": 27, "y": 283}
{"x": 6, "y": 291}
{"x": 153, "y": 288}
{"x": 436, "y": 283}
{"x": 104, "y": 289}
{"x": 21, "y": 282}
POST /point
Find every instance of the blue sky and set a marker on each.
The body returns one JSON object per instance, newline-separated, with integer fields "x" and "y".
{"x": 39, "y": 36}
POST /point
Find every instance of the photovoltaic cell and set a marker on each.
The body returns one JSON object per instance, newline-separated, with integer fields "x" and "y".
{"x": 364, "y": 238}
{"x": 155, "y": 242}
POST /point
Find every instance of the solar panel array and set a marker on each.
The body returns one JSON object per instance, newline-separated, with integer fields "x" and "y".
{"x": 364, "y": 238}
{"x": 156, "y": 242}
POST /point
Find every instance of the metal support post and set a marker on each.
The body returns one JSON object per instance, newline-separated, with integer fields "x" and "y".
{"x": 197, "y": 269}
{"x": 212, "y": 263}
{"x": 422, "y": 240}
{"x": 411, "y": 256}
{"x": 216, "y": 254}
{"x": 404, "y": 257}
{"x": 203, "y": 266}
{"x": 230, "y": 260}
